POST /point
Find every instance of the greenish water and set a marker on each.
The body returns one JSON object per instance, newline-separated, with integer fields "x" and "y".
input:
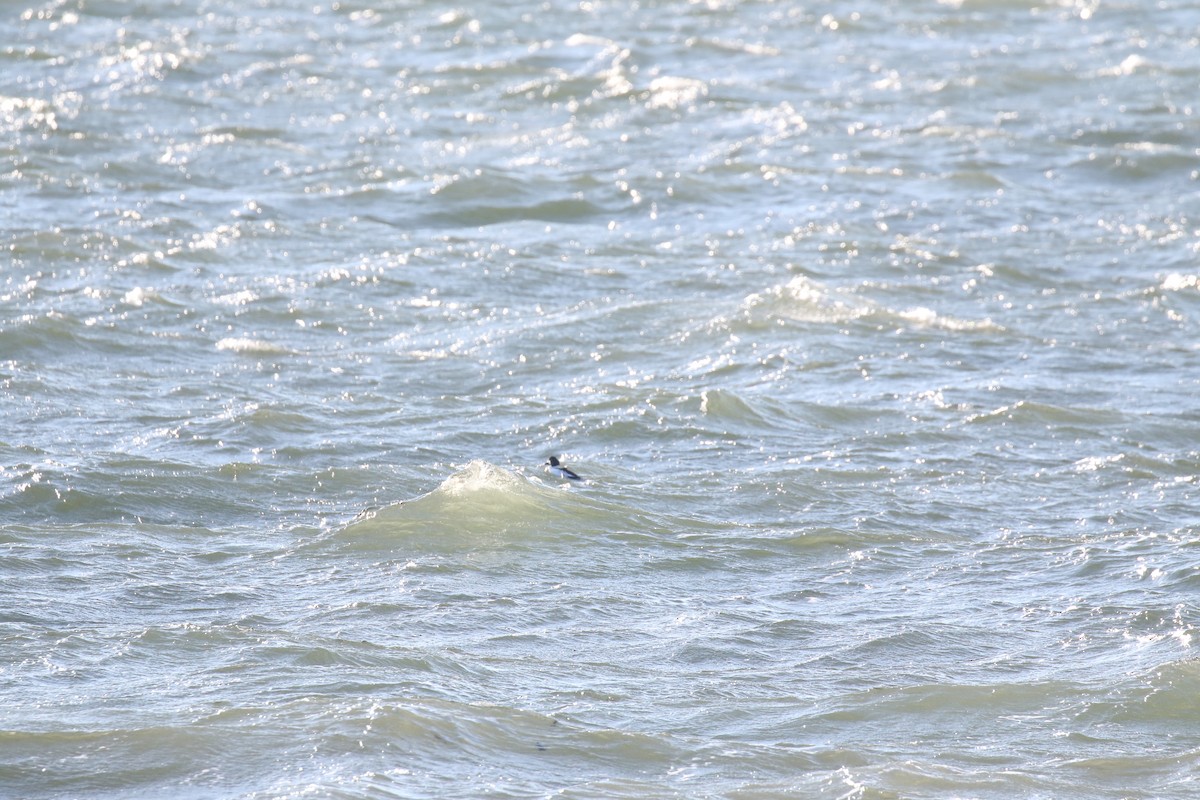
{"x": 872, "y": 330}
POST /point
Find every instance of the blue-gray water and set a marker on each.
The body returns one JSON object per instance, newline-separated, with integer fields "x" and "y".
{"x": 872, "y": 327}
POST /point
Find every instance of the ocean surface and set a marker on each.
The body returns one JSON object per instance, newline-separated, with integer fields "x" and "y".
{"x": 873, "y": 330}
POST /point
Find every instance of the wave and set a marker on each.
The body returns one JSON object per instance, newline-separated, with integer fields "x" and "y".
{"x": 252, "y": 347}
{"x": 1034, "y": 413}
{"x": 480, "y": 505}
{"x": 804, "y": 300}
{"x": 728, "y": 410}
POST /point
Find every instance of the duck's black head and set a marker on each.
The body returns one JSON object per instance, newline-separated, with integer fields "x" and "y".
{"x": 553, "y": 461}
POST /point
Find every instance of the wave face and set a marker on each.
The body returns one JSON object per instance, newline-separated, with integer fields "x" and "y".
{"x": 871, "y": 328}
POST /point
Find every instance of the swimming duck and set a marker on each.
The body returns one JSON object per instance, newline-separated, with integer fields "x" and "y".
{"x": 561, "y": 471}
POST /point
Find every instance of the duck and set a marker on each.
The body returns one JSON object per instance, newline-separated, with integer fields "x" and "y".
{"x": 561, "y": 471}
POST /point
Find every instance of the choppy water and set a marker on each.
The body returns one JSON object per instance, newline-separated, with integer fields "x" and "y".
{"x": 873, "y": 329}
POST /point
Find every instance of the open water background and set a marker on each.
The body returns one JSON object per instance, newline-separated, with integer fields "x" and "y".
{"x": 873, "y": 327}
